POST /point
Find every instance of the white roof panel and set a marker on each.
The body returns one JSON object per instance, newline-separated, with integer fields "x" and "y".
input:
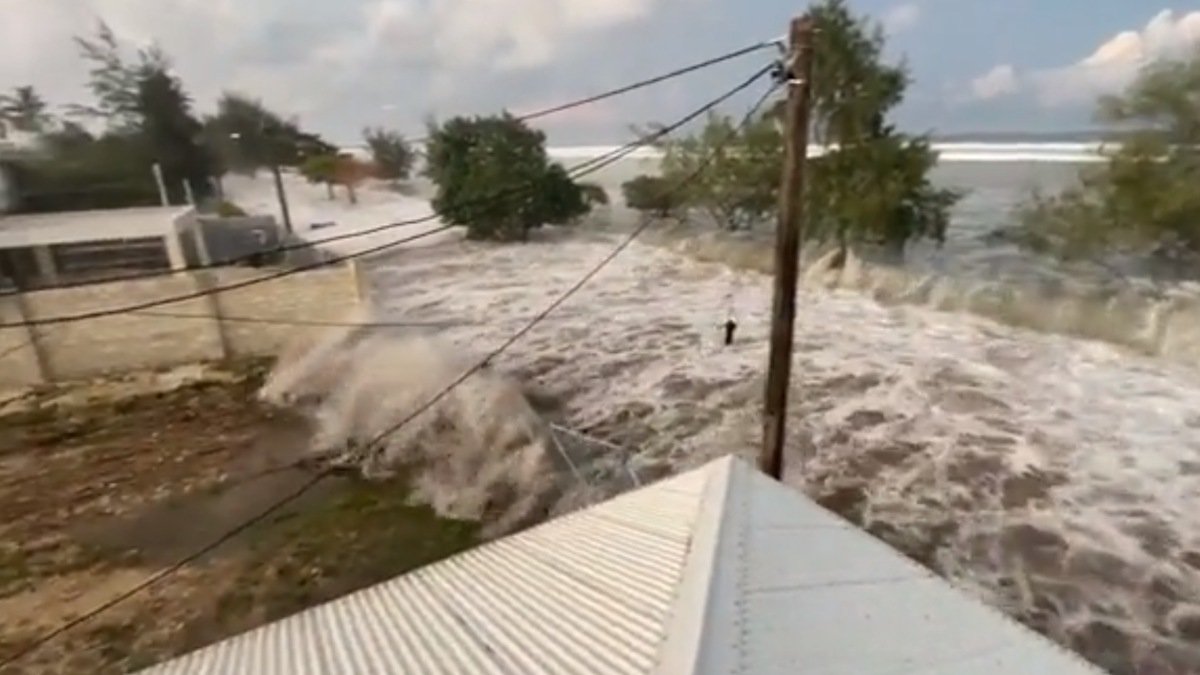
{"x": 67, "y": 227}
{"x": 721, "y": 570}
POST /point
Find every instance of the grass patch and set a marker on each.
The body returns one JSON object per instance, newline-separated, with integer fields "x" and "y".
{"x": 366, "y": 534}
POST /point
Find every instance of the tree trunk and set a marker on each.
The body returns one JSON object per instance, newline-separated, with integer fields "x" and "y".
{"x": 329, "y": 191}
{"x": 352, "y": 194}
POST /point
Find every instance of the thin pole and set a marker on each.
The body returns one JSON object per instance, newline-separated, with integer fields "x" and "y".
{"x": 788, "y": 236}
{"x": 283, "y": 205}
{"x": 162, "y": 186}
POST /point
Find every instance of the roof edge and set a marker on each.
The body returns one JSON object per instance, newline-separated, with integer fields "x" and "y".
{"x": 680, "y": 651}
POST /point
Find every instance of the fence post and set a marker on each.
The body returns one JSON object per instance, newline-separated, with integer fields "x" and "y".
{"x": 41, "y": 361}
{"x": 358, "y": 278}
{"x": 206, "y": 283}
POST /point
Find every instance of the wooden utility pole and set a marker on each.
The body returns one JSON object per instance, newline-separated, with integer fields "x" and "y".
{"x": 788, "y": 235}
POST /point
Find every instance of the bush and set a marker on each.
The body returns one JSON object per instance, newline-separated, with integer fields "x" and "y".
{"x": 494, "y": 177}
{"x": 228, "y": 209}
{"x": 650, "y": 194}
{"x": 391, "y": 153}
{"x": 593, "y": 194}
{"x": 1143, "y": 202}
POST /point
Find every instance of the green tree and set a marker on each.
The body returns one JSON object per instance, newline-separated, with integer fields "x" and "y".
{"x": 321, "y": 169}
{"x": 494, "y": 177}
{"x": 25, "y": 110}
{"x": 870, "y": 186}
{"x": 1143, "y": 201}
{"x": 248, "y": 136}
{"x": 392, "y": 154}
{"x": 144, "y": 104}
{"x": 114, "y": 82}
{"x": 172, "y": 133}
{"x": 594, "y": 195}
{"x": 650, "y": 194}
{"x": 732, "y": 174}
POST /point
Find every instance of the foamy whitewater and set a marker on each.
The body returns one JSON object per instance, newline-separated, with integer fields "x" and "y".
{"x": 1056, "y": 477}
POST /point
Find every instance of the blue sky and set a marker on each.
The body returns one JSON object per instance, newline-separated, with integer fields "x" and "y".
{"x": 979, "y": 65}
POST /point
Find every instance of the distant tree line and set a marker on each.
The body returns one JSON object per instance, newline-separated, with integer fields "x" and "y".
{"x": 145, "y": 117}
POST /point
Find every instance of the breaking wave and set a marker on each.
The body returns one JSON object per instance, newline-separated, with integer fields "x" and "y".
{"x": 480, "y": 453}
{"x": 1158, "y": 321}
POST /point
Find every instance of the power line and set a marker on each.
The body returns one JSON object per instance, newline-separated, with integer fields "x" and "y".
{"x": 625, "y": 243}
{"x": 541, "y": 316}
{"x": 641, "y": 84}
{"x": 591, "y": 167}
{"x": 165, "y": 572}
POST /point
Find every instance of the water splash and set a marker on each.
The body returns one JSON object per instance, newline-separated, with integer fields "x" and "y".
{"x": 480, "y": 453}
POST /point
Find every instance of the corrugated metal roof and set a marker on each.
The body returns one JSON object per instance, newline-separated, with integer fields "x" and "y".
{"x": 720, "y": 570}
{"x": 788, "y": 587}
{"x": 586, "y": 593}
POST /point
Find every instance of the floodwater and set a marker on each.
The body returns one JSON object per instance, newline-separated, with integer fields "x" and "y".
{"x": 1052, "y": 468}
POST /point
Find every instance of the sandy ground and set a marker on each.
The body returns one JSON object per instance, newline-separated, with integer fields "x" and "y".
{"x": 104, "y": 484}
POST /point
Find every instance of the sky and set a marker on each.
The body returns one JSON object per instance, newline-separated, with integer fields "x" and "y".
{"x": 340, "y": 65}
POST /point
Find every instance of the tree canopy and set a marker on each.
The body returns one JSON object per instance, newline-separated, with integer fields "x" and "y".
{"x": 650, "y": 194}
{"x": 392, "y": 155}
{"x": 1143, "y": 201}
{"x": 25, "y": 110}
{"x": 870, "y": 186}
{"x": 147, "y": 118}
{"x": 248, "y": 136}
{"x": 493, "y": 176}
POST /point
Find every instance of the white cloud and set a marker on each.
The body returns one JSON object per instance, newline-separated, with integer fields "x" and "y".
{"x": 902, "y": 17}
{"x": 1116, "y": 62}
{"x": 1109, "y": 68}
{"x": 999, "y": 81}
{"x": 312, "y": 56}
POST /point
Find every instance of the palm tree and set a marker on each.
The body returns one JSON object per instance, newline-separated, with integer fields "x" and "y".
{"x": 24, "y": 109}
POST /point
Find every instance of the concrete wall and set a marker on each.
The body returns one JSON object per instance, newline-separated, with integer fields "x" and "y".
{"x": 206, "y": 328}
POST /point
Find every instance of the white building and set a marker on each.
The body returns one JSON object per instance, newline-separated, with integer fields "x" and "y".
{"x": 46, "y": 249}
{"x": 720, "y": 570}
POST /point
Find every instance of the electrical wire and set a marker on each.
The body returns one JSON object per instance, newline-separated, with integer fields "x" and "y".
{"x": 707, "y": 63}
{"x": 164, "y": 572}
{"x": 312, "y": 482}
{"x": 591, "y": 274}
{"x": 641, "y": 84}
{"x": 591, "y": 167}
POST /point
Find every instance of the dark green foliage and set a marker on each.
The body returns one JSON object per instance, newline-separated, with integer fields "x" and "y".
{"x": 114, "y": 83}
{"x": 593, "y": 194}
{"x": 110, "y": 172}
{"x": 246, "y": 136}
{"x": 392, "y": 155}
{"x": 172, "y": 134}
{"x": 321, "y": 169}
{"x": 25, "y": 110}
{"x": 870, "y": 187}
{"x": 494, "y": 177}
{"x": 149, "y": 121}
{"x": 650, "y": 194}
{"x": 229, "y": 210}
{"x": 1144, "y": 201}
